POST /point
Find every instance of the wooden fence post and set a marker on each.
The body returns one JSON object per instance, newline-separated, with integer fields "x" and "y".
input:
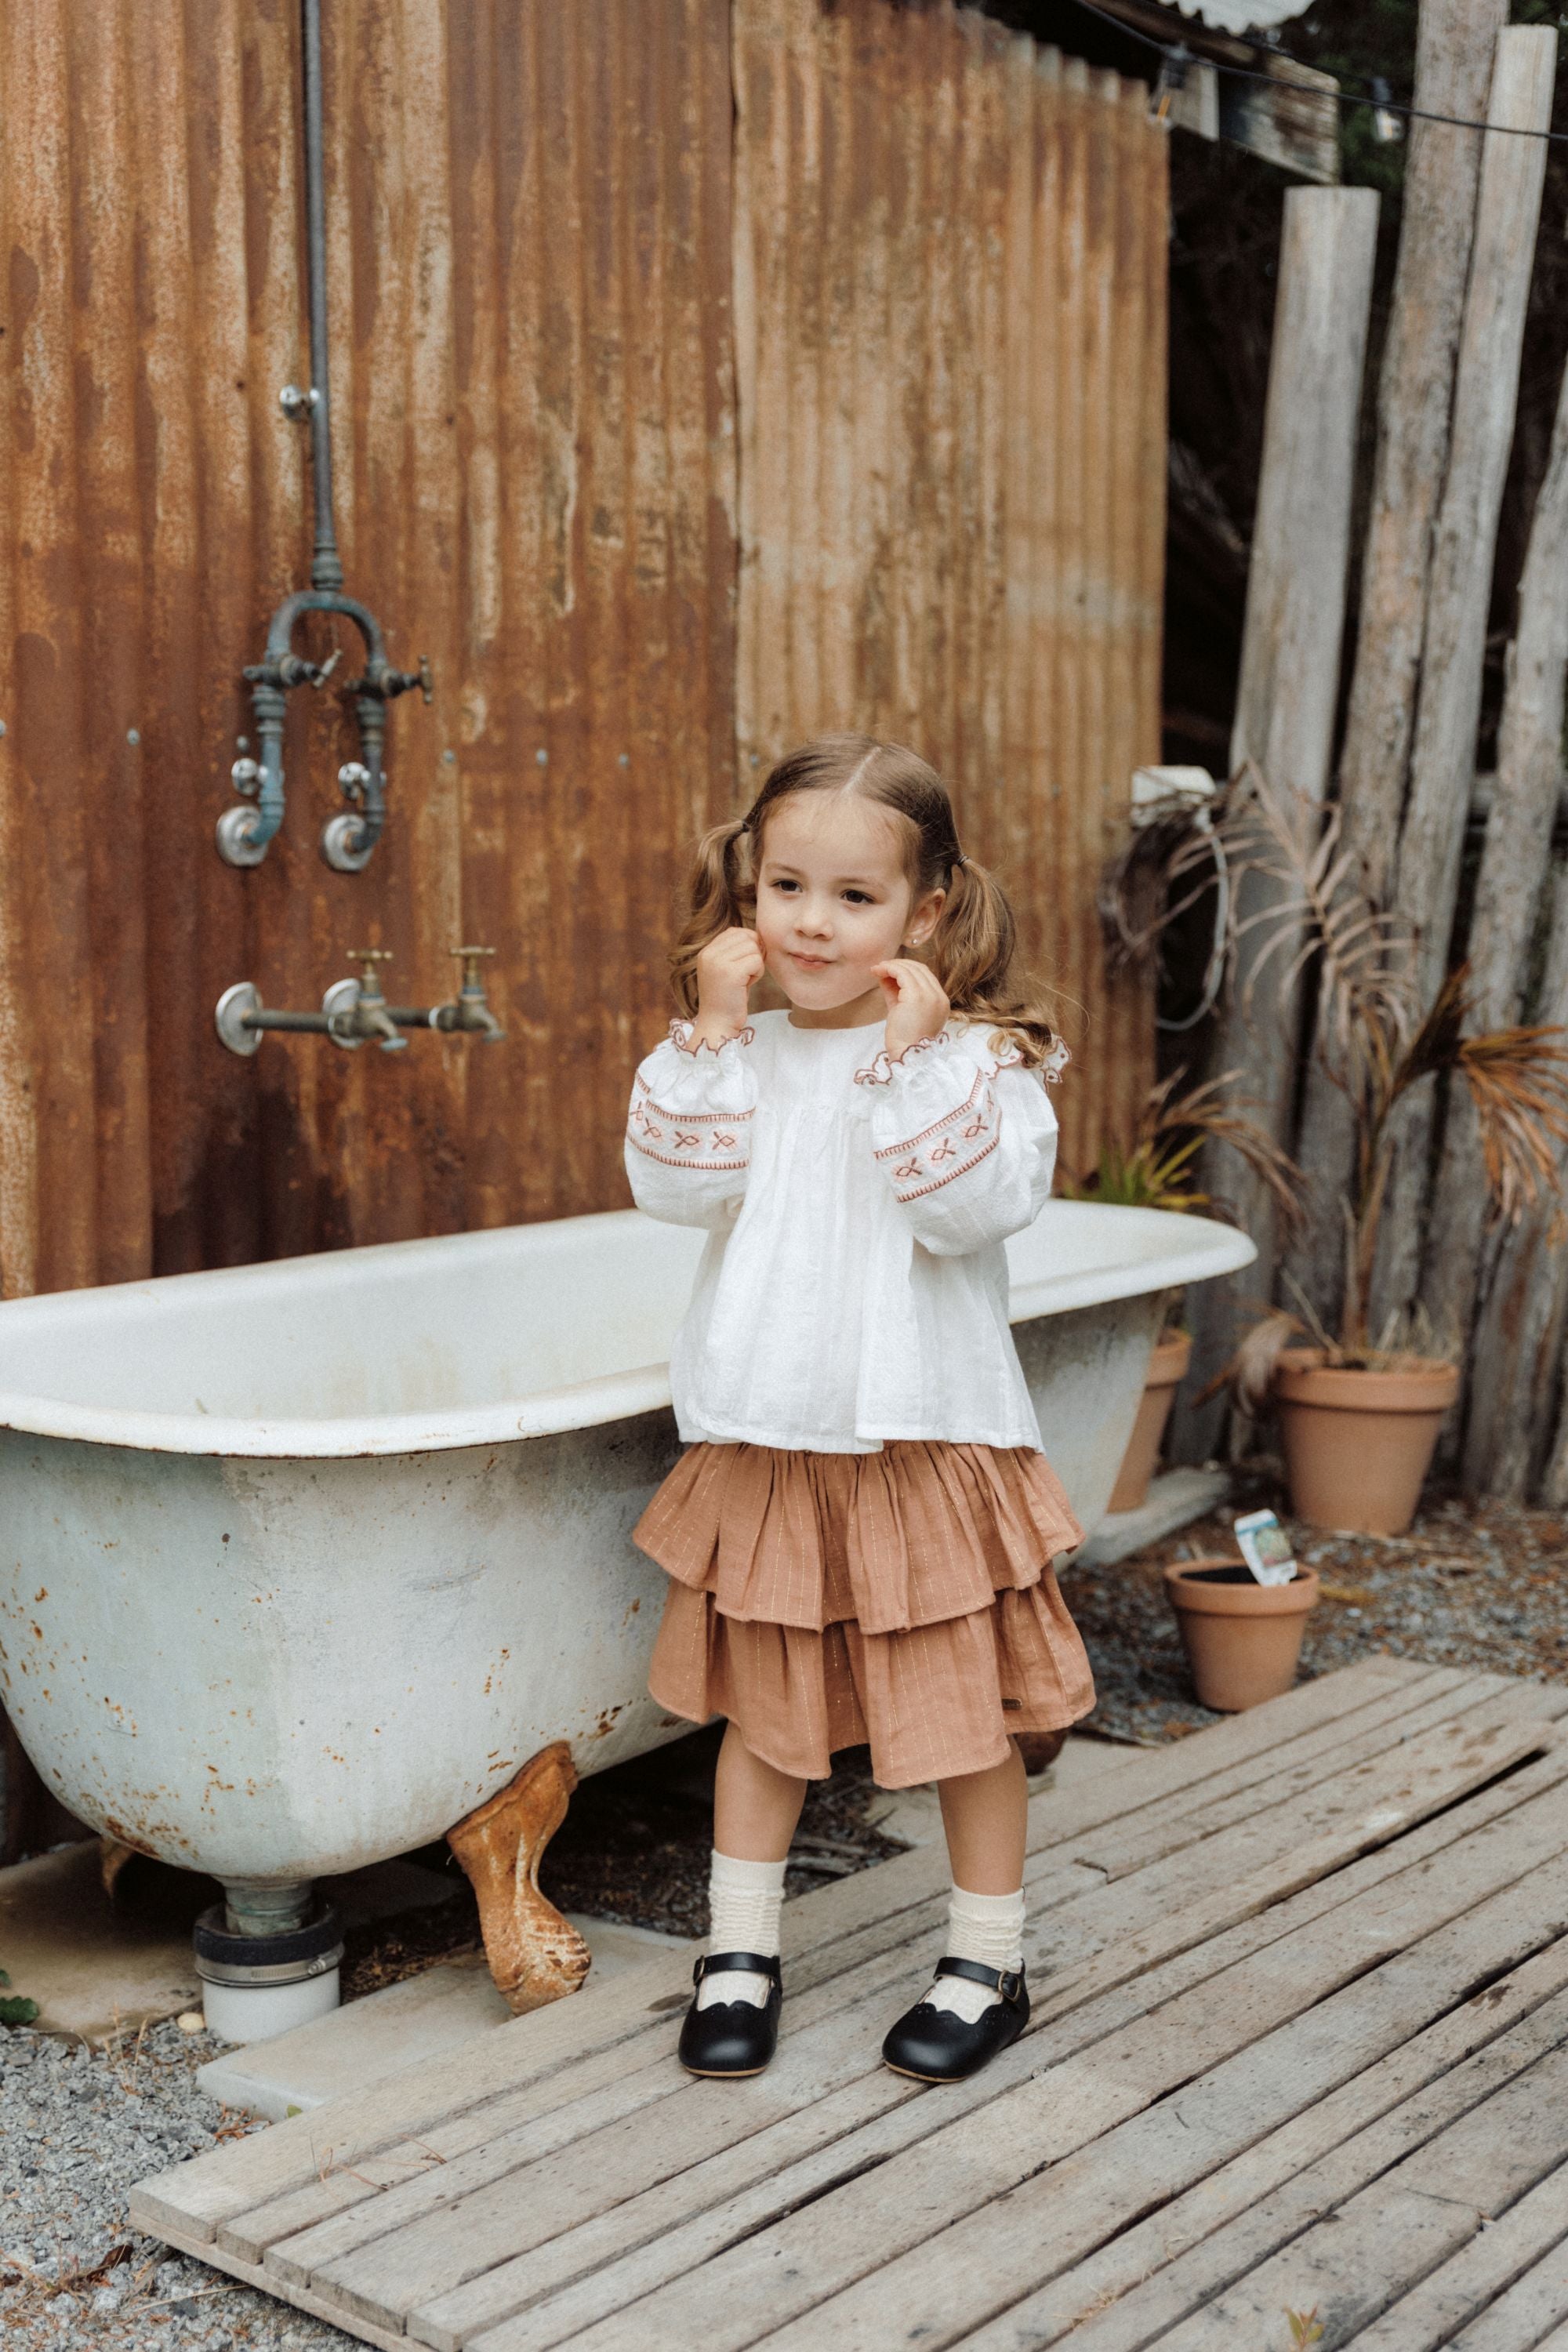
{"x": 1514, "y": 873}
{"x": 1443, "y": 760}
{"x": 1519, "y": 1331}
{"x": 1454, "y": 50}
{"x": 1291, "y": 655}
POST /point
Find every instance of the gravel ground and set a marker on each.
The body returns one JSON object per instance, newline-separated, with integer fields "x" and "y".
{"x": 77, "y": 2127}
{"x": 1471, "y": 1585}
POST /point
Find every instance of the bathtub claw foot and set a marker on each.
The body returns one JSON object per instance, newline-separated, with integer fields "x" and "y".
{"x": 113, "y": 1854}
{"x": 535, "y": 1954}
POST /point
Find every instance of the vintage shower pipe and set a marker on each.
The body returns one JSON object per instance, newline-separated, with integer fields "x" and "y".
{"x": 355, "y": 1011}
{"x": 245, "y": 830}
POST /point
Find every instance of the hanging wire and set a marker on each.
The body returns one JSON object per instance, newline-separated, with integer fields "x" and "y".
{"x": 1326, "y": 96}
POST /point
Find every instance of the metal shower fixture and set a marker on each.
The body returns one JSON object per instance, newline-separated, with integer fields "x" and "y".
{"x": 349, "y": 838}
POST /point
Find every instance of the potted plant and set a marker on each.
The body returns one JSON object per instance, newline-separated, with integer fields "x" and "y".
{"x": 1156, "y": 1172}
{"x": 1360, "y": 1412}
{"x": 1243, "y": 1639}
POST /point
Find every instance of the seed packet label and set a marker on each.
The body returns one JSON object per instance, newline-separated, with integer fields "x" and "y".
{"x": 1265, "y": 1548}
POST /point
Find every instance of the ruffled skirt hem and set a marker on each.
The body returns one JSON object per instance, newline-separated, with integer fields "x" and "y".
{"x": 919, "y": 1533}
{"x": 931, "y": 1702}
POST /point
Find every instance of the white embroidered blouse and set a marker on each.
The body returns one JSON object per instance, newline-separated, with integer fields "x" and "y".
{"x": 854, "y": 1287}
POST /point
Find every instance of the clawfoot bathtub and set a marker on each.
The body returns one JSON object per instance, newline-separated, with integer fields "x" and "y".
{"x": 304, "y": 1563}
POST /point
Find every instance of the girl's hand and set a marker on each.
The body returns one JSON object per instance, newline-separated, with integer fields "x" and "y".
{"x": 917, "y": 1006}
{"x": 726, "y": 968}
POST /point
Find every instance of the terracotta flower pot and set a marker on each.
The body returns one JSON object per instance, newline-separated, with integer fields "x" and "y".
{"x": 1243, "y": 1639}
{"x": 1358, "y": 1445}
{"x": 1167, "y": 1370}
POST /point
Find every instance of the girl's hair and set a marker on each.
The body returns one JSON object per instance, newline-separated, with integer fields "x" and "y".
{"x": 971, "y": 950}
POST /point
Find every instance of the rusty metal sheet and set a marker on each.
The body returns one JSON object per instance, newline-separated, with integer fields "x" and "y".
{"x": 950, "y": 323}
{"x": 527, "y": 220}
{"x": 904, "y": 301}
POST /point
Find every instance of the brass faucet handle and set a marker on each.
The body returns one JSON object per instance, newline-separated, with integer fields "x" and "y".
{"x": 471, "y": 964}
{"x": 369, "y": 958}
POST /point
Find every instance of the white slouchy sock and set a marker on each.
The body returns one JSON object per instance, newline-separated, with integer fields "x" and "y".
{"x": 987, "y": 1927}
{"x": 745, "y": 1898}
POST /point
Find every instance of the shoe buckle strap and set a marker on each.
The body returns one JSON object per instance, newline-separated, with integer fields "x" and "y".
{"x": 1009, "y": 1982}
{"x": 756, "y": 1964}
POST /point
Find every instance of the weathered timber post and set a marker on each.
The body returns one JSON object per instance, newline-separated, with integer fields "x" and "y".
{"x": 1443, "y": 760}
{"x": 1291, "y": 658}
{"x": 1514, "y": 876}
{"x": 1454, "y": 50}
{"x": 1519, "y": 1331}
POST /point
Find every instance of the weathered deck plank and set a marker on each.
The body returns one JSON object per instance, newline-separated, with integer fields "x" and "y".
{"x": 997, "y": 2132}
{"x": 958, "y": 2284}
{"x": 1514, "y": 2322}
{"x": 201, "y": 2194}
{"x": 526, "y": 2207}
{"x": 1147, "y": 2278}
{"x": 1360, "y": 2257}
{"x": 1054, "y": 1891}
{"x": 1522, "y": 2249}
{"x": 1301, "y": 1994}
{"x": 1154, "y": 2156}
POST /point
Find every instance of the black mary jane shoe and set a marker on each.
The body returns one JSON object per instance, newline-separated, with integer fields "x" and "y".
{"x": 733, "y": 2037}
{"x": 935, "y": 2046}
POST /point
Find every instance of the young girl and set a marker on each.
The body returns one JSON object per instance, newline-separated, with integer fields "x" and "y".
{"x": 859, "y": 1535}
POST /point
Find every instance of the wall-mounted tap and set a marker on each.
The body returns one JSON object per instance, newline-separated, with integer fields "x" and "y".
{"x": 469, "y": 1008}
{"x": 355, "y": 1012}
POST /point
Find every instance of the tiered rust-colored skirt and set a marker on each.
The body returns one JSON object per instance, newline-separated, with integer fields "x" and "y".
{"x": 903, "y": 1599}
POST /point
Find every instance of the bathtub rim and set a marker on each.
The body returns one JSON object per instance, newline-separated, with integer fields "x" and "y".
{"x": 1206, "y": 1249}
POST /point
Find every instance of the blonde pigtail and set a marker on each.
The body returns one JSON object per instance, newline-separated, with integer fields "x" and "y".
{"x": 972, "y": 952}
{"x": 720, "y": 894}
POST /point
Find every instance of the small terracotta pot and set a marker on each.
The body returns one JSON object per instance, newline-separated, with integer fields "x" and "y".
{"x": 1167, "y": 1370}
{"x": 1358, "y": 1445}
{"x": 1243, "y": 1639}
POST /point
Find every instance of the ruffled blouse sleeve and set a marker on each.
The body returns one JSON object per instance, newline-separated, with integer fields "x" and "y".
{"x": 689, "y": 1130}
{"x": 965, "y": 1137}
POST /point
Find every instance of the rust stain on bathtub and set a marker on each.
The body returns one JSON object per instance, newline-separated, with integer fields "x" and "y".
{"x": 116, "y": 1829}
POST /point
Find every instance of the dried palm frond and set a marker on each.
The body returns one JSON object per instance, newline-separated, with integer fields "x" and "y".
{"x": 1319, "y": 913}
{"x": 1155, "y": 1171}
{"x": 1434, "y": 1045}
{"x": 1518, "y": 1080}
{"x": 1302, "y": 908}
{"x": 1210, "y": 1116}
{"x": 1249, "y": 1375}
{"x": 1409, "y": 1339}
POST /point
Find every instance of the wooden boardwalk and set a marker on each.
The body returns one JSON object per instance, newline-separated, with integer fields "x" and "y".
{"x": 1300, "y": 2038}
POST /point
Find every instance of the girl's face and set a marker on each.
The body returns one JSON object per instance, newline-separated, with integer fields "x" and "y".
{"x": 834, "y": 900}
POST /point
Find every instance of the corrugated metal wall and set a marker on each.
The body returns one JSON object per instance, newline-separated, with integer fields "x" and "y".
{"x": 950, "y": 340}
{"x": 950, "y": 250}
{"x": 529, "y": 234}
